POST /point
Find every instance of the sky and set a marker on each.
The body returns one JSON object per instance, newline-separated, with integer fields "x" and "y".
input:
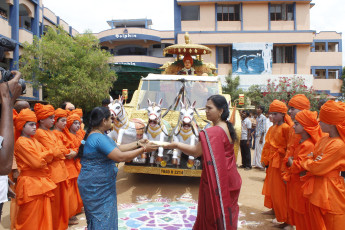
{"x": 326, "y": 15}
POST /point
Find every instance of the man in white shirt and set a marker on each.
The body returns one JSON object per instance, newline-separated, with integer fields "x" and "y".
{"x": 259, "y": 136}
{"x": 245, "y": 141}
{"x": 267, "y": 56}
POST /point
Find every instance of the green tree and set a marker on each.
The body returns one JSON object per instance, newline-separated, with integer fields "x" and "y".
{"x": 69, "y": 68}
{"x": 255, "y": 95}
{"x": 231, "y": 87}
{"x": 283, "y": 89}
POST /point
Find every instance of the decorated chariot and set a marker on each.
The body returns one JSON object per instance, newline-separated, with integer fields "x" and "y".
{"x": 170, "y": 107}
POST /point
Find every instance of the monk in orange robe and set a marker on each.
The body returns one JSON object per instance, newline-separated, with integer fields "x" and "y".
{"x": 307, "y": 126}
{"x": 18, "y": 106}
{"x": 34, "y": 187}
{"x": 265, "y": 156}
{"x": 296, "y": 104}
{"x": 59, "y": 125}
{"x": 80, "y": 134}
{"x": 325, "y": 188}
{"x": 278, "y": 144}
{"x": 58, "y": 171}
{"x": 73, "y": 143}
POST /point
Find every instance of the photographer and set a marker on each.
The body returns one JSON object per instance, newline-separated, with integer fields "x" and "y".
{"x": 9, "y": 92}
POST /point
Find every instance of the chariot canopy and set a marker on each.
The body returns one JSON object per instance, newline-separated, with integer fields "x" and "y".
{"x": 187, "y": 48}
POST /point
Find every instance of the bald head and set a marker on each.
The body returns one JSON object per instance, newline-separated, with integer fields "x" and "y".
{"x": 20, "y": 105}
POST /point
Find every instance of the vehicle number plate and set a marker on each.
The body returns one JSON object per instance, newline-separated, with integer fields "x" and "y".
{"x": 172, "y": 172}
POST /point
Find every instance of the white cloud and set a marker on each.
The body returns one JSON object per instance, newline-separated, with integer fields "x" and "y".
{"x": 86, "y": 14}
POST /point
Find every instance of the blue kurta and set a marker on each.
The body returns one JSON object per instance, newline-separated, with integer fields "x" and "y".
{"x": 97, "y": 183}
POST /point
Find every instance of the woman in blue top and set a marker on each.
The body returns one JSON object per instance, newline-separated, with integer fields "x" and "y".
{"x": 97, "y": 179}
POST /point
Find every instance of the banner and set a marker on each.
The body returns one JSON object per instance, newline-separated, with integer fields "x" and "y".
{"x": 252, "y": 58}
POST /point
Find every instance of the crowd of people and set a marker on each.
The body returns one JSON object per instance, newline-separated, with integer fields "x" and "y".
{"x": 59, "y": 170}
{"x": 254, "y": 127}
{"x": 50, "y": 184}
{"x": 304, "y": 154}
{"x": 46, "y": 166}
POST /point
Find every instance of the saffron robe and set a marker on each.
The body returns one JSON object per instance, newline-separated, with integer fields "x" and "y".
{"x": 75, "y": 202}
{"x": 220, "y": 182}
{"x": 292, "y": 144}
{"x": 34, "y": 187}
{"x": 265, "y": 156}
{"x": 59, "y": 174}
{"x": 72, "y": 143}
{"x": 324, "y": 187}
{"x": 276, "y": 185}
{"x": 296, "y": 202}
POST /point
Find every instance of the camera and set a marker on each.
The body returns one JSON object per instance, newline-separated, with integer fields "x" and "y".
{"x": 7, "y": 76}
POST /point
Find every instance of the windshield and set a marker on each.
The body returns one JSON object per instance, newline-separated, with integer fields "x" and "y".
{"x": 197, "y": 91}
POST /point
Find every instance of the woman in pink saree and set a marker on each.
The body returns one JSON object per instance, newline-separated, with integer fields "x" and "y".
{"x": 220, "y": 181}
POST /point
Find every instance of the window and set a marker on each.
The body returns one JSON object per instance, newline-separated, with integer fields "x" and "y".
{"x": 320, "y": 47}
{"x": 156, "y": 46}
{"x": 333, "y": 47}
{"x": 320, "y": 74}
{"x": 27, "y": 25}
{"x": 333, "y": 74}
{"x": 190, "y": 13}
{"x": 228, "y": 12}
{"x": 224, "y": 54}
{"x": 283, "y": 54}
{"x": 282, "y": 12}
{"x": 132, "y": 51}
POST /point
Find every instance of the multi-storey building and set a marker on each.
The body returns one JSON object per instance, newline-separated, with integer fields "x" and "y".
{"x": 133, "y": 42}
{"x": 137, "y": 50}
{"x": 237, "y": 30}
{"x": 20, "y": 21}
{"x": 256, "y": 40}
